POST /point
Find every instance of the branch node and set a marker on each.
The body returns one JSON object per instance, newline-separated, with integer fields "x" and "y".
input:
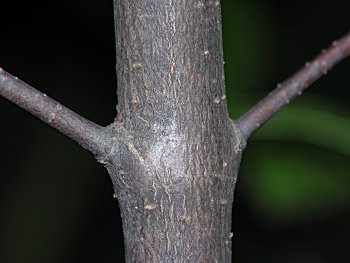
{"x": 217, "y": 100}
{"x": 200, "y": 5}
{"x": 137, "y": 65}
{"x": 88, "y": 134}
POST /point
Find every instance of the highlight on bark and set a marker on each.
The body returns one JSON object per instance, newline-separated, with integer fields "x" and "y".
{"x": 80, "y": 129}
{"x": 173, "y": 153}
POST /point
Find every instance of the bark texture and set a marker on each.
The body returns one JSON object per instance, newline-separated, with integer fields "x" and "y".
{"x": 176, "y": 153}
{"x": 173, "y": 153}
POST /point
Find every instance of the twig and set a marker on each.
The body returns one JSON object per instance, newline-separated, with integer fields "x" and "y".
{"x": 294, "y": 86}
{"x": 88, "y": 134}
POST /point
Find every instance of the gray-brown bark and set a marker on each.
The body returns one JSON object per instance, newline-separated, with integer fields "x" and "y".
{"x": 175, "y": 165}
{"x": 173, "y": 153}
{"x": 88, "y": 134}
{"x": 294, "y": 86}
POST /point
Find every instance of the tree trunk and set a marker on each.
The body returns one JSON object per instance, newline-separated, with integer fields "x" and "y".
{"x": 177, "y": 152}
{"x": 172, "y": 152}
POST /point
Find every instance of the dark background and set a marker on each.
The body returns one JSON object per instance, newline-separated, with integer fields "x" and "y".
{"x": 292, "y": 202}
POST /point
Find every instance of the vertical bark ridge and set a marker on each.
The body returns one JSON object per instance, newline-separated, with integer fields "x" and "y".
{"x": 169, "y": 60}
{"x": 176, "y": 164}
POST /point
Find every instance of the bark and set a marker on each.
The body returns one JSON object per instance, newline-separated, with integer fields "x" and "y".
{"x": 176, "y": 152}
{"x": 294, "y": 85}
{"x": 173, "y": 153}
{"x": 89, "y": 135}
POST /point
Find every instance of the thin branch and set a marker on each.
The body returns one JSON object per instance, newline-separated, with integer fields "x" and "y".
{"x": 294, "y": 86}
{"x": 86, "y": 133}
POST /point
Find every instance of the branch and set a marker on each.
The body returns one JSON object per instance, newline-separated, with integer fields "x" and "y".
{"x": 88, "y": 134}
{"x": 294, "y": 86}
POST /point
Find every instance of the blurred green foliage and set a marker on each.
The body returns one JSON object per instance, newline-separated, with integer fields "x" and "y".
{"x": 295, "y": 175}
{"x": 292, "y": 198}
{"x": 284, "y": 181}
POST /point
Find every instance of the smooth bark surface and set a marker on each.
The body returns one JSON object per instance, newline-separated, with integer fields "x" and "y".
{"x": 294, "y": 86}
{"x": 86, "y": 133}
